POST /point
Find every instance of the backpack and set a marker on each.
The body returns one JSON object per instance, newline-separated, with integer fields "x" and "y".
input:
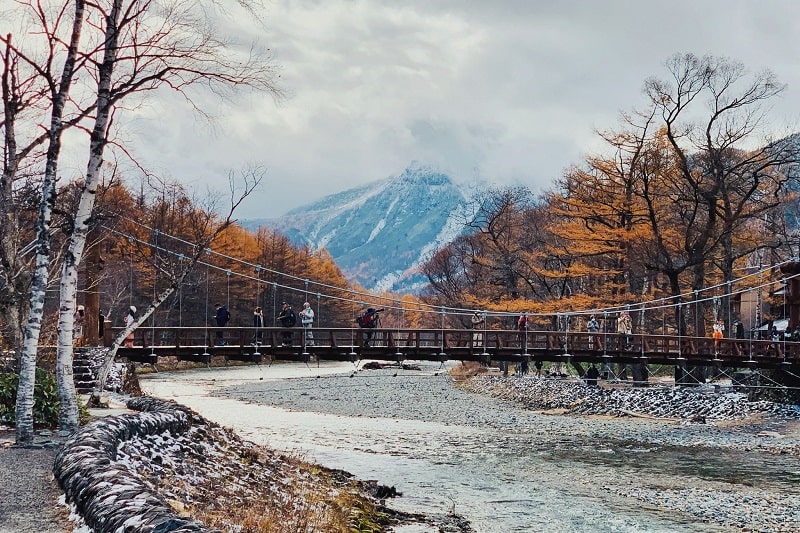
{"x": 291, "y": 318}
{"x": 367, "y": 320}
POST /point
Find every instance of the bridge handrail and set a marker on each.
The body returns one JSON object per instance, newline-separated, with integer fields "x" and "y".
{"x": 532, "y": 339}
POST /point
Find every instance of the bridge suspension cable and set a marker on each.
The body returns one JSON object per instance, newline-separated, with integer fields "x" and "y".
{"x": 663, "y": 303}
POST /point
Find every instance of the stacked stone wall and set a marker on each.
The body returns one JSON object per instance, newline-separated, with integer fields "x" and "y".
{"x": 109, "y": 496}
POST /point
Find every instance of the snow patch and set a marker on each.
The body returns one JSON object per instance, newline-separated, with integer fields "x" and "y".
{"x": 377, "y": 229}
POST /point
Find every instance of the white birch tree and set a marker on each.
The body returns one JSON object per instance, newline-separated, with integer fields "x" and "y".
{"x": 145, "y": 45}
{"x": 27, "y": 362}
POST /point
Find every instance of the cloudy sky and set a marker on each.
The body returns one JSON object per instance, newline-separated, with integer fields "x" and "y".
{"x": 507, "y": 91}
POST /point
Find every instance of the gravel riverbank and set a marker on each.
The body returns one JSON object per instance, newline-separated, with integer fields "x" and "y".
{"x": 632, "y": 414}
{"x": 727, "y": 438}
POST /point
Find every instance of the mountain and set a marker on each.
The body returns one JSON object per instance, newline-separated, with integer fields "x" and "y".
{"x": 381, "y": 232}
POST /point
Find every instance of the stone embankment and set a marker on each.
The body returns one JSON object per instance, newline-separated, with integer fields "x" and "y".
{"x": 152, "y": 471}
{"x": 694, "y": 404}
{"x": 104, "y": 492}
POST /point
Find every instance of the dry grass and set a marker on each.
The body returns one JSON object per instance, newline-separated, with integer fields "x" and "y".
{"x": 313, "y": 501}
{"x": 466, "y": 370}
{"x": 213, "y": 476}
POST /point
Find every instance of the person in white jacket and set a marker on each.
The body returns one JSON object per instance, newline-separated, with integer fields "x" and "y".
{"x": 307, "y": 319}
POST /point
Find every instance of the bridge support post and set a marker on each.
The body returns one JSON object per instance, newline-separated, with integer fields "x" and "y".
{"x": 641, "y": 374}
{"x": 605, "y": 367}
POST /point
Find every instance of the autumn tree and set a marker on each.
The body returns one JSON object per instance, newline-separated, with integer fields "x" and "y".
{"x": 485, "y": 267}
{"x": 130, "y": 47}
{"x": 208, "y": 225}
{"x": 730, "y": 183}
{"x": 497, "y": 217}
{"x": 597, "y": 215}
{"x": 453, "y": 273}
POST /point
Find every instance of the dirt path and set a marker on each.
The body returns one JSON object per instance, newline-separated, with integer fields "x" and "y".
{"x": 28, "y": 493}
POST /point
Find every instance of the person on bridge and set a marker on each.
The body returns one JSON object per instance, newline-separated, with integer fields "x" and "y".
{"x": 717, "y": 334}
{"x": 625, "y": 326}
{"x": 288, "y": 319}
{"x": 774, "y": 335}
{"x": 368, "y": 320}
{"x": 478, "y": 321}
{"x": 739, "y": 328}
{"x": 522, "y": 327}
{"x": 221, "y": 316}
{"x": 307, "y": 319}
{"x": 593, "y": 326}
{"x": 130, "y": 319}
{"x": 258, "y": 323}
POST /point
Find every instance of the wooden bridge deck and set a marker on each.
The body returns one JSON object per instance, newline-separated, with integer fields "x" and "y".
{"x": 346, "y": 344}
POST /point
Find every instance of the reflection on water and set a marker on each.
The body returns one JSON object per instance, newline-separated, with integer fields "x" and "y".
{"x": 501, "y": 479}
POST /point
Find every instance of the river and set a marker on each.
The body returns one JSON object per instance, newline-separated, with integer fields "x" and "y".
{"x": 503, "y": 468}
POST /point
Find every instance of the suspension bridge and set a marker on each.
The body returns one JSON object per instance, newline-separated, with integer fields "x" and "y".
{"x": 740, "y": 298}
{"x": 202, "y": 344}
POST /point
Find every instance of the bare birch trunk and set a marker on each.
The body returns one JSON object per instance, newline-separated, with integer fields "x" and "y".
{"x": 102, "y": 372}
{"x": 27, "y": 373}
{"x": 68, "y": 289}
{"x": 9, "y": 230}
{"x": 15, "y": 281}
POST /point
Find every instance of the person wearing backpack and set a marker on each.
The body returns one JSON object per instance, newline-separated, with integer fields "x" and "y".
{"x": 368, "y": 320}
{"x": 222, "y": 316}
{"x": 288, "y": 319}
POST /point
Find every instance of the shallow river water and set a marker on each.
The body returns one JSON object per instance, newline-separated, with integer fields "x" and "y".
{"x": 503, "y": 468}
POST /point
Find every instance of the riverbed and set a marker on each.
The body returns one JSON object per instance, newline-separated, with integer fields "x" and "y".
{"x": 502, "y": 467}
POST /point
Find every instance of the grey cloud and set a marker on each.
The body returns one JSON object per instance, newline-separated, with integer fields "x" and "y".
{"x": 510, "y": 89}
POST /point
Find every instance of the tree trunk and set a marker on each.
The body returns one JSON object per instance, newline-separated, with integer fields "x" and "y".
{"x": 91, "y": 327}
{"x": 25, "y": 391}
{"x": 69, "y": 272}
{"x": 9, "y": 230}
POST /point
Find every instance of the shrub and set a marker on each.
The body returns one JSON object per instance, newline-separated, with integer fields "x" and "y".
{"x": 45, "y": 399}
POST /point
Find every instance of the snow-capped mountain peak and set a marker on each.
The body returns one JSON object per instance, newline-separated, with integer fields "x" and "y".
{"x": 379, "y": 233}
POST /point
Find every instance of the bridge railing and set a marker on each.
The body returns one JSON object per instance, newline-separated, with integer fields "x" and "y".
{"x": 473, "y": 341}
